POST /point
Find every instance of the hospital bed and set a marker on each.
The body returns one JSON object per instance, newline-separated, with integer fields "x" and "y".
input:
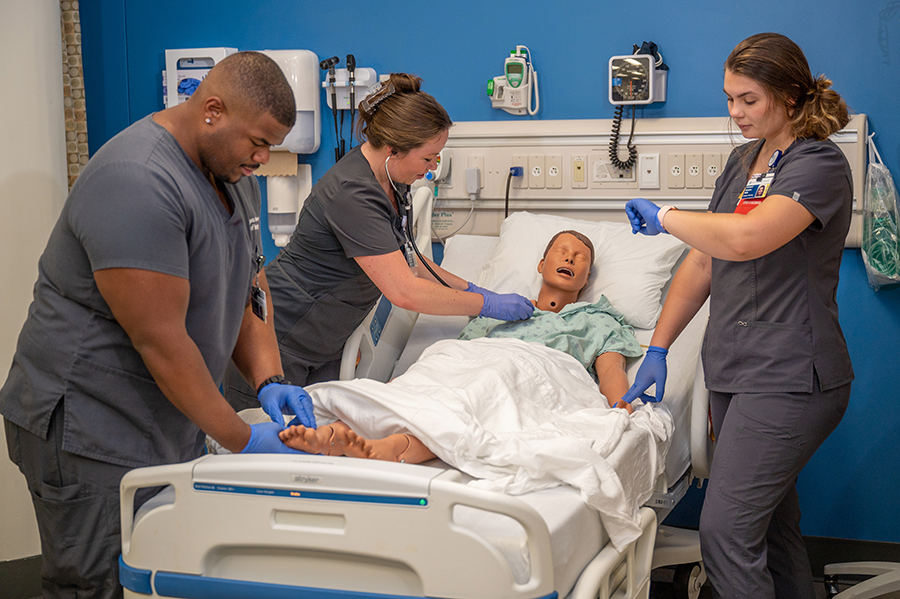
{"x": 316, "y": 526}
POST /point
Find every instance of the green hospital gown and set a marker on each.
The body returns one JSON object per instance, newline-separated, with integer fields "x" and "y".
{"x": 582, "y": 330}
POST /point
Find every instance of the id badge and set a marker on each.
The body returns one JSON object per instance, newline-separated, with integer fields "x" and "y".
{"x": 410, "y": 255}
{"x": 258, "y": 303}
{"x": 754, "y": 193}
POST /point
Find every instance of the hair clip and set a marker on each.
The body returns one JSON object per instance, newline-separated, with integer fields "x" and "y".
{"x": 375, "y": 95}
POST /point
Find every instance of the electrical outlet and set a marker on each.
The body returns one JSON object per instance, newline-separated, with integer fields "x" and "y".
{"x": 520, "y": 182}
{"x": 535, "y": 172}
{"x": 693, "y": 177}
{"x": 712, "y": 167}
{"x": 554, "y": 171}
{"x": 675, "y": 172}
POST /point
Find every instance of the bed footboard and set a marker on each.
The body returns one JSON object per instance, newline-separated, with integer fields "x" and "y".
{"x": 279, "y": 526}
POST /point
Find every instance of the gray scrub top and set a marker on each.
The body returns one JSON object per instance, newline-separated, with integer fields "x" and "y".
{"x": 140, "y": 203}
{"x": 773, "y": 323}
{"x": 320, "y": 294}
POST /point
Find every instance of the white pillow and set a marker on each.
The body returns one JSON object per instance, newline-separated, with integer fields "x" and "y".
{"x": 630, "y": 270}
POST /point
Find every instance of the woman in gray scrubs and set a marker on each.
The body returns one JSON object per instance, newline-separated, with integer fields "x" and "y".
{"x": 352, "y": 243}
{"x": 767, "y": 255}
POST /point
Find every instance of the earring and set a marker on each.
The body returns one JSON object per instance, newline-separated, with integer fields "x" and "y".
{"x": 208, "y": 122}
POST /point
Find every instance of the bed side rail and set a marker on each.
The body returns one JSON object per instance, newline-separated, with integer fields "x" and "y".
{"x": 374, "y": 347}
{"x": 606, "y": 574}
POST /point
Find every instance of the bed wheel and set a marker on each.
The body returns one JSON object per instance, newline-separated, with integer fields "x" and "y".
{"x": 688, "y": 579}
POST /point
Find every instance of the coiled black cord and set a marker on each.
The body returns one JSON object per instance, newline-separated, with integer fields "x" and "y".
{"x": 614, "y": 141}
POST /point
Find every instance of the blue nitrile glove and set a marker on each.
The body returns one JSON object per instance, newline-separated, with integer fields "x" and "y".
{"x": 264, "y": 439}
{"x": 503, "y": 306}
{"x": 278, "y": 399}
{"x": 653, "y": 370}
{"x": 644, "y": 218}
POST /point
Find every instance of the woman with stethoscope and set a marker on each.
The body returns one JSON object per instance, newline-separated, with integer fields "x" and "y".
{"x": 767, "y": 255}
{"x": 353, "y": 243}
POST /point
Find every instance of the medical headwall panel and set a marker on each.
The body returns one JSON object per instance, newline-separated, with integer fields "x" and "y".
{"x": 565, "y": 166}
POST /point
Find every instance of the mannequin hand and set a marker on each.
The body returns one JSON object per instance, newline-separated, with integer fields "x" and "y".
{"x": 643, "y": 217}
{"x": 278, "y": 399}
{"x": 503, "y": 306}
{"x": 264, "y": 439}
{"x": 653, "y": 370}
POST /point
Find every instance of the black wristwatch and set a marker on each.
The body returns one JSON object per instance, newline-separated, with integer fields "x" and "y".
{"x": 272, "y": 379}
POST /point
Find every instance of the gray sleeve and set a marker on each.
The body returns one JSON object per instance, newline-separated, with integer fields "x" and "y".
{"x": 359, "y": 219}
{"x": 128, "y": 216}
{"x": 816, "y": 175}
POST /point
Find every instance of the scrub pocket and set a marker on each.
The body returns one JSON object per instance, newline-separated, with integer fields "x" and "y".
{"x": 773, "y": 357}
{"x": 70, "y": 527}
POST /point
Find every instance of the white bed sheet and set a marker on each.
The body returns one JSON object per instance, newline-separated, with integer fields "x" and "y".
{"x": 464, "y": 256}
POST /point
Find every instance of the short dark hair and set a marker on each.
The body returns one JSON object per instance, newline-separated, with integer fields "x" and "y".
{"x": 579, "y": 236}
{"x": 257, "y": 81}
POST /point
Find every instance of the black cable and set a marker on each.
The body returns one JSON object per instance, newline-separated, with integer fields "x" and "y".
{"x": 506, "y": 203}
{"x": 614, "y": 141}
{"x": 412, "y": 241}
{"x": 342, "y": 135}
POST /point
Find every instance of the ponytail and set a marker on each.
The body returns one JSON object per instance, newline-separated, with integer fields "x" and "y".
{"x": 821, "y": 113}
{"x": 780, "y": 67}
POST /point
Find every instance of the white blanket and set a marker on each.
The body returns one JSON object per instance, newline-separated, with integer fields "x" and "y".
{"x": 520, "y": 417}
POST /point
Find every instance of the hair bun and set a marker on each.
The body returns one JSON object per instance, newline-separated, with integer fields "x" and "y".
{"x": 405, "y": 83}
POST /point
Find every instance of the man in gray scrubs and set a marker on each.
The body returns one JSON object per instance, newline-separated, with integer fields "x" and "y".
{"x": 150, "y": 283}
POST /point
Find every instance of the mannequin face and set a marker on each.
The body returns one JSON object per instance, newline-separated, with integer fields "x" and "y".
{"x": 567, "y": 265}
{"x": 755, "y": 113}
{"x": 409, "y": 167}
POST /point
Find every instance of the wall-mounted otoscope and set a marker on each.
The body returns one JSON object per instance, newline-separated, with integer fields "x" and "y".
{"x": 351, "y": 79}
{"x": 328, "y": 65}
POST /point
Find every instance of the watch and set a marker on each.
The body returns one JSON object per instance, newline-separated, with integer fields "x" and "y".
{"x": 272, "y": 379}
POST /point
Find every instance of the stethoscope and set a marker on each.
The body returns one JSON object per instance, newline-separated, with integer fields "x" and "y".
{"x": 405, "y": 200}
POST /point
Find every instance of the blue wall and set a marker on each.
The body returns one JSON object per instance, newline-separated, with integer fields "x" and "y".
{"x": 848, "y": 488}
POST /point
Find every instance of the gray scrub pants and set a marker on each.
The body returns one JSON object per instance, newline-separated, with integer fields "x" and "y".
{"x": 76, "y": 501}
{"x": 750, "y": 536}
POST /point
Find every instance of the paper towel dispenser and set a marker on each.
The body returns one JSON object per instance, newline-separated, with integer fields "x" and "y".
{"x": 301, "y": 68}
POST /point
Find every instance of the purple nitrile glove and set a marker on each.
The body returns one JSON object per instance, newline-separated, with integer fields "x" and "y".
{"x": 643, "y": 215}
{"x": 264, "y": 439}
{"x": 278, "y": 399}
{"x": 653, "y": 370}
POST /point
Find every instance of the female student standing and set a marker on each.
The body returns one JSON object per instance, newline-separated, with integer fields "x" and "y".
{"x": 767, "y": 254}
{"x": 352, "y": 244}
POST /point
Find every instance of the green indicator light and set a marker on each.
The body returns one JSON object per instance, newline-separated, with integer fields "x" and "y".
{"x": 421, "y": 502}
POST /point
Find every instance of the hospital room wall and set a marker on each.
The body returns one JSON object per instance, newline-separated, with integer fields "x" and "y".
{"x": 32, "y": 189}
{"x": 457, "y": 48}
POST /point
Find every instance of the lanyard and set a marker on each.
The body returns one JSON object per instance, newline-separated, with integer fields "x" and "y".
{"x": 757, "y": 188}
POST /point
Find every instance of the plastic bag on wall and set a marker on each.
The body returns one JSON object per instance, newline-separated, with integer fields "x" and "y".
{"x": 880, "y": 250}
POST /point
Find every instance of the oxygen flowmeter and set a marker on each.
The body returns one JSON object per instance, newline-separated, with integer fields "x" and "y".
{"x": 512, "y": 91}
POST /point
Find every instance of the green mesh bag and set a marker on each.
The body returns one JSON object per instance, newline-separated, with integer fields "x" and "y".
{"x": 880, "y": 250}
